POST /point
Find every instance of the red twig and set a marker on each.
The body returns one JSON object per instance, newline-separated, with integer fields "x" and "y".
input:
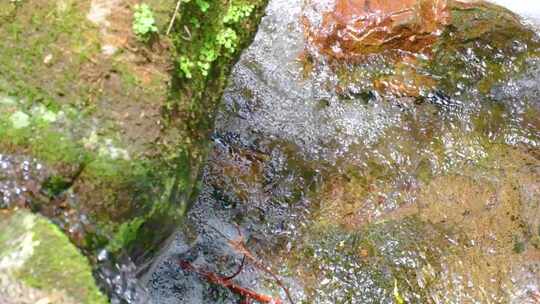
{"x": 227, "y": 283}
{"x": 238, "y": 271}
{"x": 239, "y": 245}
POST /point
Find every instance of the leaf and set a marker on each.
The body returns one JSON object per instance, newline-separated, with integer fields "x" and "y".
{"x": 203, "y": 5}
{"x": 144, "y": 23}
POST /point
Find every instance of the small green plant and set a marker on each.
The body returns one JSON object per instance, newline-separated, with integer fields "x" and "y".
{"x": 519, "y": 246}
{"x": 207, "y": 56}
{"x": 204, "y": 66}
{"x": 228, "y": 39}
{"x": 127, "y": 233}
{"x": 203, "y": 5}
{"x": 144, "y": 24}
{"x": 195, "y": 22}
{"x": 186, "y": 65}
{"x": 237, "y": 13}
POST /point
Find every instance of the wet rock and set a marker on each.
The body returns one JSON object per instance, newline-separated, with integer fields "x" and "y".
{"x": 407, "y": 49}
{"x": 355, "y": 28}
{"x": 349, "y": 197}
{"x": 364, "y": 266}
{"x": 486, "y": 220}
{"x": 484, "y": 46}
{"x": 21, "y": 179}
{"x": 359, "y": 27}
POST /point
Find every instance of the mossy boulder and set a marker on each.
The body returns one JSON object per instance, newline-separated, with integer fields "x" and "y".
{"x": 90, "y": 117}
{"x": 38, "y": 263}
{"x": 483, "y": 45}
{"x": 122, "y": 131}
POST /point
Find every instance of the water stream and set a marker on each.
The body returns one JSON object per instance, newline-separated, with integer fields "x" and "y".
{"x": 355, "y": 197}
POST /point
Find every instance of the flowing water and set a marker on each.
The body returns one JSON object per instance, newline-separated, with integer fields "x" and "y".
{"x": 350, "y": 196}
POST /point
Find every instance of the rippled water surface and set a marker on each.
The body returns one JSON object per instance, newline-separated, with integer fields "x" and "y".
{"x": 352, "y": 196}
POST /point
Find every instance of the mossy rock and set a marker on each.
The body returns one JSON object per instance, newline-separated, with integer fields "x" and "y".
{"x": 76, "y": 110}
{"x": 368, "y": 263}
{"x": 437, "y": 249}
{"x": 112, "y": 128}
{"x": 35, "y": 253}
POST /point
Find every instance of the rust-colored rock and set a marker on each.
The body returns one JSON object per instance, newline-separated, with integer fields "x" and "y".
{"x": 360, "y": 27}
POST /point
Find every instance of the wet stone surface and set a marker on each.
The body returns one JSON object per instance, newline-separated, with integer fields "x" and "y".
{"x": 358, "y": 193}
{"x": 20, "y": 178}
{"x": 358, "y": 27}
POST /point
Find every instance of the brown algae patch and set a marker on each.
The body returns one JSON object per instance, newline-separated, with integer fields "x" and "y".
{"x": 461, "y": 236}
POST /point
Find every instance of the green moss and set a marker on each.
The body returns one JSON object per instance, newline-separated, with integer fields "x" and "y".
{"x": 55, "y": 185}
{"x": 51, "y": 56}
{"x": 208, "y": 61}
{"x": 143, "y": 236}
{"x": 203, "y": 64}
{"x": 123, "y": 188}
{"x": 127, "y": 233}
{"x": 43, "y": 28}
{"x": 492, "y": 120}
{"x": 41, "y": 141}
{"x": 519, "y": 245}
{"x": 55, "y": 264}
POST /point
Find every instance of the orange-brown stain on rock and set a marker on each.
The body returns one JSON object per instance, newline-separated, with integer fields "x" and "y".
{"x": 355, "y": 28}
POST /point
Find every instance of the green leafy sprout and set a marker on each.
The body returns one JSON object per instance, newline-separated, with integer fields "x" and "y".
{"x": 224, "y": 42}
{"x": 186, "y": 65}
{"x": 203, "y": 5}
{"x": 237, "y": 13}
{"x": 228, "y": 39}
{"x": 144, "y": 24}
{"x": 207, "y": 56}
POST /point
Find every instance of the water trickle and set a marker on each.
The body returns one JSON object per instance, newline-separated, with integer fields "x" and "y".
{"x": 20, "y": 177}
